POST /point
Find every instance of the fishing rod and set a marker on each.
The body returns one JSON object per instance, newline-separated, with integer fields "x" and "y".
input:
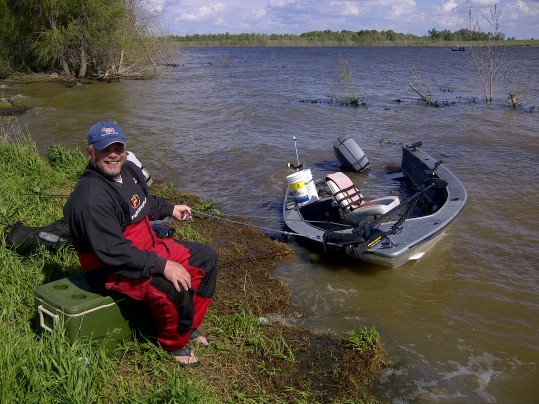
{"x": 297, "y": 166}
{"x": 52, "y": 196}
{"x": 296, "y": 147}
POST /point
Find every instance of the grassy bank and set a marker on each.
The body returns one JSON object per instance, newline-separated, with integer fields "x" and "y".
{"x": 255, "y": 356}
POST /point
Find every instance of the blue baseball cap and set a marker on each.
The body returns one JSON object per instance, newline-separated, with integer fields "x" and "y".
{"x": 105, "y": 133}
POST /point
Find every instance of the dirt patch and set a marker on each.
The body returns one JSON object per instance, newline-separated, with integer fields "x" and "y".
{"x": 313, "y": 367}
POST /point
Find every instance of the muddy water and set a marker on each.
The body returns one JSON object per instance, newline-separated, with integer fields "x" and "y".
{"x": 462, "y": 323}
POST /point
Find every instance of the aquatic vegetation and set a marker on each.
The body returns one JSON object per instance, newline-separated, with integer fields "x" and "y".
{"x": 364, "y": 340}
{"x": 345, "y": 93}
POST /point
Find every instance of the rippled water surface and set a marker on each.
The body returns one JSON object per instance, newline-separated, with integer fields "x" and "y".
{"x": 462, "y": 323}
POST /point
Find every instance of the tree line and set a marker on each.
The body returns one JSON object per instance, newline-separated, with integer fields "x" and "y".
{"x": 98, "y": 38}
{"x": 465, "y": 34}
{"x": 344, "y": 37}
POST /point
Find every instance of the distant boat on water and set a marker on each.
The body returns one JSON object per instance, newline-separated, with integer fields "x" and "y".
{"x": 458, "y": 48}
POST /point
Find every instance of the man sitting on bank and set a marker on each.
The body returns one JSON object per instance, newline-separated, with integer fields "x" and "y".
{"x": 109, "y": 214}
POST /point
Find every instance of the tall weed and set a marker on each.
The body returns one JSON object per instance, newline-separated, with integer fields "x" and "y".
{"x": 29, "y": 186}
{"x": 69, "y": 161}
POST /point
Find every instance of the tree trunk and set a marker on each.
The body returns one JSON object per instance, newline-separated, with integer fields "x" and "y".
{"x": 83, "y": 61}
{"x": 65, "y": 67}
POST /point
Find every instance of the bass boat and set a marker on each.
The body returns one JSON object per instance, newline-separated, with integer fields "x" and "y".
{"x": 331, "y": 214}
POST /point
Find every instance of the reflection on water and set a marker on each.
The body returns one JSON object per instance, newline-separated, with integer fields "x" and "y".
{"x": 462, "y": 323}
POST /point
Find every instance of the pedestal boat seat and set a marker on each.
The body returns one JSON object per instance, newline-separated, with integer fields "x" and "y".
{"x": 353, "y": 206}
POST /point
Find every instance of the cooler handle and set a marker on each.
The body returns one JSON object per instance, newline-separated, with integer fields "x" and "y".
{"x": 42, "y": 310}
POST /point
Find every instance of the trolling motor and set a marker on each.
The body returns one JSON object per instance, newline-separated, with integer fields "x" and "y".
{"x": 363, "y": 237}
{"x": 414, "y": 146}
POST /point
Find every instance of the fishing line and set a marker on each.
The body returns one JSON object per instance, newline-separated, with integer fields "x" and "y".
{"x": 286, "y": 233}
{"x": 292, "y": 220}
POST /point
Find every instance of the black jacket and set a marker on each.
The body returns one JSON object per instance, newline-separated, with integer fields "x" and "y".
{"x": 98, "y": 211}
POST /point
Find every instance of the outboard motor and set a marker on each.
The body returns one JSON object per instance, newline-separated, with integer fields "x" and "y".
{"x": 350, "y": 154}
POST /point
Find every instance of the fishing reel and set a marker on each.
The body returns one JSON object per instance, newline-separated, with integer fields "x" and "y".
{"x": 294, "y": 166}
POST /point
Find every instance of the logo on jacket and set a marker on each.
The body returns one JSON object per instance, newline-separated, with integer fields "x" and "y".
{"x": 134, "y": 201}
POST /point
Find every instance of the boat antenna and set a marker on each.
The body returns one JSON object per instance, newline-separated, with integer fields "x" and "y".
{"x": 296, "y": 147}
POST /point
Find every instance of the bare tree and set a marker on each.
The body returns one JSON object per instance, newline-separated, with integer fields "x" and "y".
{"x": 488, "y": 52}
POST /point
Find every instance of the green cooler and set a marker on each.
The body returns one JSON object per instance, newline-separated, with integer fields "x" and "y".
{"x": 86, "y": 313}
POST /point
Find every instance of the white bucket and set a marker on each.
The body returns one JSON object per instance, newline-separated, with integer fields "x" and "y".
{"x": 302, "y": 187}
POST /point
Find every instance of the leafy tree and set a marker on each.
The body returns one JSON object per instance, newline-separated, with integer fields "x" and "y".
{"x": 73, "y": 33}
{"x": 77, "y": 37}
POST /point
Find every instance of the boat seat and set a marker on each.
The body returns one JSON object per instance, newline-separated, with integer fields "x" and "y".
{"x": 351, "y": 201}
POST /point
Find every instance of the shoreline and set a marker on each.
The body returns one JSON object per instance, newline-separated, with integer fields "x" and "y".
{"x": 256, "y": 355}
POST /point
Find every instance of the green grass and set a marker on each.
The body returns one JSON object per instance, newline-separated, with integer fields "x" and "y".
{"x": 41, "y": 367}
{"x": 244, "y": 330}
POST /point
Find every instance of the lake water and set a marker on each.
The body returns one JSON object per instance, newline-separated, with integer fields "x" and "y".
{"x": 461, "y": 324}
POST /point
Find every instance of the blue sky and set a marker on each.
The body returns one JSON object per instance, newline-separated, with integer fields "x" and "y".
{"x": 519, "y": 18}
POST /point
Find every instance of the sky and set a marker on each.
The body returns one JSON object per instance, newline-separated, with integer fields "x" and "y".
{"x": 518, "y": 18}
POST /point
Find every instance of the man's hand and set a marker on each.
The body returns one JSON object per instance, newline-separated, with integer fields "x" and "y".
{"x": 177, "y": 275}
{"x": 181, "y": 212}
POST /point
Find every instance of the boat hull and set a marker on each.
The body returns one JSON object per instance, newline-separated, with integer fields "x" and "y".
{"x": 399, "y": 258}
{"x": 401, "y": 242}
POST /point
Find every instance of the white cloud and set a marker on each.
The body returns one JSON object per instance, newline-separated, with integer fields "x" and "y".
{"x": 485, "y": 3}
{"x": 447, "y": 6}
{"x": 530, "y": 8}
{"x": 519, "y": 17}
{"x": 399, "y": 8}
{"x": 204, "y": 12}
{"x": 350, "y": 8}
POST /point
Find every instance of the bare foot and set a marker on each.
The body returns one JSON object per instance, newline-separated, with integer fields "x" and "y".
{"x": 202, "y": 341}
{"x": 197, "y": 336}
{"x": 185, "y": 357}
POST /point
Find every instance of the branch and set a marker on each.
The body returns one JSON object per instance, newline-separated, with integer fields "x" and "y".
{"x": 423, "y": 97}
{"x": 146, "y": 48}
